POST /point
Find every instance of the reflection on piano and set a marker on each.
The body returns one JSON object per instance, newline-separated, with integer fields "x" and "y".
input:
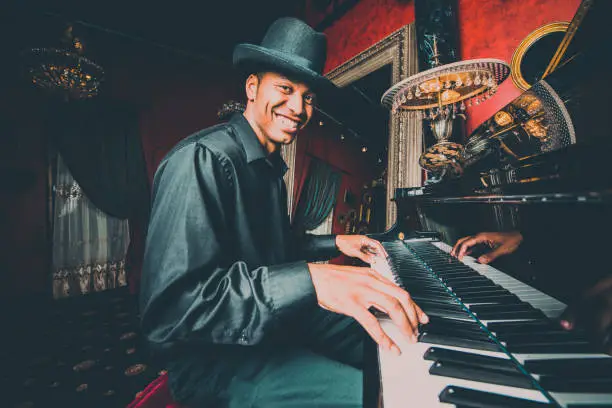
{"x": 494, "y": 339}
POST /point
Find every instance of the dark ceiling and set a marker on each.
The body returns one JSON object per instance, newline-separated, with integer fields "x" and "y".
{"x": 201, "y": 28}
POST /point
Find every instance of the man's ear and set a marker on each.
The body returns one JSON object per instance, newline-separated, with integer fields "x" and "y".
{"x": 252, "y": 83}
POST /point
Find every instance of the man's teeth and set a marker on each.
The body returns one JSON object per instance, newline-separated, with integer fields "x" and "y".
{"x": 288, "y": 122}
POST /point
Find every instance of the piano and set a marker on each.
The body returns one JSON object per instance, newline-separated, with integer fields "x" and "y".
{"x": 493, "y": 339}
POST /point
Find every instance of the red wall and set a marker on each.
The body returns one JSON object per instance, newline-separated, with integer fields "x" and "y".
{"x": 494, "y": 28}
{"x": 368, "y": 22}
{"x": 491, "y": 29}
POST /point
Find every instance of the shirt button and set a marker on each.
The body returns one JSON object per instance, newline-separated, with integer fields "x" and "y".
{"x": 243, "y": 339}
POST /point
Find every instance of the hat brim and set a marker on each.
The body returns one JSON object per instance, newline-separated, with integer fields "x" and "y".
{"x": 249, "y": 58}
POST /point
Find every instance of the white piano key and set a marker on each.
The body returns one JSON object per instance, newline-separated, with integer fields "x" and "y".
{"x": 408, "y": 375}
{"x": 550, "y": 306}
{"x": 565, "y": 399}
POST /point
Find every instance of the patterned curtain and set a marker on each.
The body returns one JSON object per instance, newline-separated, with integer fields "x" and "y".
{"x": 318, "y": 197}
{"x": 89, "y": 246}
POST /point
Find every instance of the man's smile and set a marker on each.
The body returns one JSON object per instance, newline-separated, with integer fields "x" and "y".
{"x": 286, "y": 123}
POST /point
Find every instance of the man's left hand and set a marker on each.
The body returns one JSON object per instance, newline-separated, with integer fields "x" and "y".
{"x": 593, "y": 311}
{"x": 360, "y": 246}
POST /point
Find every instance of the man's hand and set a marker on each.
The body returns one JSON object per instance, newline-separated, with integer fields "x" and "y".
{"x": 503, "y": 243}
{"x": 594, "y": 313}
{"x": 360, "y": 246}
{"x": 352, "y": 290}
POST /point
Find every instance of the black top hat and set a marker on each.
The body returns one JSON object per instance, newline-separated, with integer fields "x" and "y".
{"x": 291, "y": 47}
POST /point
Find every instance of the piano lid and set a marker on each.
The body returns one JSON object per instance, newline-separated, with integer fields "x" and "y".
{"x": 554, "y": 137}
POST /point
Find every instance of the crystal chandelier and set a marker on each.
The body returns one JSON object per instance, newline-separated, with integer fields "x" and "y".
{"x": 440, "y": 94}
{"x": 64, "y": 70}
{"x": 448, "y": 89}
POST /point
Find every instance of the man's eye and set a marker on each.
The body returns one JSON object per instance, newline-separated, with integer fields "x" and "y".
{"x": 286, "y": 89}
{"x": 310, "y": 99}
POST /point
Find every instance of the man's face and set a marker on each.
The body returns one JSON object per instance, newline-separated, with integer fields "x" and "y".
{"x": 280, "y": 107}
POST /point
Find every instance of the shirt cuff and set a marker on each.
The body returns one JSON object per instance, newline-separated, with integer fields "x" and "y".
{"x": 291, "y": 287}
{"x": 319, "y": 247}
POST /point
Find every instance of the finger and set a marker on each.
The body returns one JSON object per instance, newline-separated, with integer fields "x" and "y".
{"x": 423, "y": 318}
{"x": 567, "y": 319}
{"x": 460, "y": 241}
{"x": 470, "y": 243}
{"x": 386, "y": 299}
{"x": 402, "y": 296}
{"x": 494, "y": 254}
{"x": 413, "y": 311}
{"x": 405, "y": 320}
{"x": 383, "y": 279}
{"x": 373, "y": 248}
{"x": 376, "y": 332}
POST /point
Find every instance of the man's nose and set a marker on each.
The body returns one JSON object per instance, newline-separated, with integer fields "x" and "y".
{"x": 296, "y": 103}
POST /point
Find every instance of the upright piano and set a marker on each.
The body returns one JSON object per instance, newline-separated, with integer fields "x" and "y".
{"x": 494, "y": 339}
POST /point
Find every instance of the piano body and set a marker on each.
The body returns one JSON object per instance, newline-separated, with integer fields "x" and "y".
{"x": 493, "y": 339}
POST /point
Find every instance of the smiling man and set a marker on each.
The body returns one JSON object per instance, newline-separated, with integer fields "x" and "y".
{"x": 228, "y": 301}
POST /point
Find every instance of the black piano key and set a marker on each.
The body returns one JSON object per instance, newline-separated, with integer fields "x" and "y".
{"x": 532, "y": 326}
{"x": 446, "y": 340}
{"x": 457, "y": 332}
{"x": 438, "y": 294}
{"x": 471, "y": 286}
{"x": 499, "y": 299}
{"x": 509, "y": 314}
{"x": 552, "y": 347}
{"x": 442, "y": 312}
{"x": 504, "y": 308}
{"x": 586, "y": 367}
{"x": 480, "y": 399}
{"x": 494, "y": 291}
{"x": 434, "y": 299}
{"x": 453, "y": 323}
{"x": 587, "y": 405}
{"x": 477, "y": 360}
{"x": 550, "y": 335}
{"x": 443, "y": 306}
{"x": 577, "y": 385}
{"x": 466, "y": 372}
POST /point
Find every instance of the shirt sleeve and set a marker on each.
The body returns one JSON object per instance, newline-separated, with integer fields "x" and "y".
{"x": 190, "y": 291}
{"x": 317, "y": 247}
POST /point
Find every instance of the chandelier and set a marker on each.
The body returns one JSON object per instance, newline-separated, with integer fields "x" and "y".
{"x": 447, "y": 90}
{"x": 440, "y": 94}
{"x": 64, "y": 70}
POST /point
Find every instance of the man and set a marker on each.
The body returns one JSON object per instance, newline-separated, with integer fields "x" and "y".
{"x": 593, "y": 308}
{"x": 239, "y": 318}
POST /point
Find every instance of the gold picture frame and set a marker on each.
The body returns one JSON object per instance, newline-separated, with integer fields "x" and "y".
{"x": 526, "y": 44}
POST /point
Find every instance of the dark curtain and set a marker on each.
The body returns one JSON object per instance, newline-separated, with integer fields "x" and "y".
{"x": 100, "y": 143}
{"x": 318, "y": 195}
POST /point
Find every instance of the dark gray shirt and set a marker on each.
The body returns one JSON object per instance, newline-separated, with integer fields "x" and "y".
{"x": 222, "y": 266}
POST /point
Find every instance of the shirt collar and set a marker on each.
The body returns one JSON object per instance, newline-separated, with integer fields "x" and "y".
{"x": 252, "y": 147}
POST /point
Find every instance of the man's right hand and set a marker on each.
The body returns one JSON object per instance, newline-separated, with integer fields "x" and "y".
{"x": 352, "y": 290}
{"x": 502, "y": 243}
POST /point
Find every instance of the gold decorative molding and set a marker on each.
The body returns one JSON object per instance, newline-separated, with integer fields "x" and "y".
{"x": 405, "y": 132}
{"x": 521, "y": 50}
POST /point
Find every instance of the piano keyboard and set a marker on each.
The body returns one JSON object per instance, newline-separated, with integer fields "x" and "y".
{"x": 492, "y": 340}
